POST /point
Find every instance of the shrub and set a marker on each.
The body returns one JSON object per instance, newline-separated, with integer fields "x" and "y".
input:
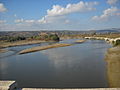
{"x": 54, "y": 37}
{"x": 17, "y": 38}
{"x": 117, "y": 43}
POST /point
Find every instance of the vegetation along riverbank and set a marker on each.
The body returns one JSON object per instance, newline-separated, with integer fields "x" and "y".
{"x": 19, "y": 43}
{"x": 10, "y": 41}
{"x": 3, "y": 50}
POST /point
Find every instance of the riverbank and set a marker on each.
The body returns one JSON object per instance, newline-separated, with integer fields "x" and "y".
{"x": 113, "y": 66}
{"x": 34, "y": 49}
{"x": 3, "y": 50}
{"x": 112, "y": 59}
{"x": 22, "y": 42}
{"x": 39, "y": 48}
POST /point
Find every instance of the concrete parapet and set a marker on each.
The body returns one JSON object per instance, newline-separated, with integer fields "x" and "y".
{"x": 71, "y": 89}
{"x": 8, "y": 85}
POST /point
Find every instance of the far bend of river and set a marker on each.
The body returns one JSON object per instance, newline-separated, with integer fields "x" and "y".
{"x": 77, "y": 66}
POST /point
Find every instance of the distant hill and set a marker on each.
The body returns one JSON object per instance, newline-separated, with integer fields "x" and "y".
{"x": 114, "y": 30}
{"x": 63, "y": 32}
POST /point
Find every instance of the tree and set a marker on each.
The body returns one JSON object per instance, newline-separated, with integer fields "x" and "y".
{"x": 54, "y": 37}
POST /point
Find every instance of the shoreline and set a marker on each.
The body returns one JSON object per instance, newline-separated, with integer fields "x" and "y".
{"x": 39, "y": 48}
{"x": 113, "y": 66}
{"x": 3, "y": 50}
{"x": 22, "y": 42}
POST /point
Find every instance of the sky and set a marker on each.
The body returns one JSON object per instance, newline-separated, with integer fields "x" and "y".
{"x": 32, "y": 15}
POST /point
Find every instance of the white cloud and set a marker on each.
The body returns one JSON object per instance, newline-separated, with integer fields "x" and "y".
{"x": 67, "y": 21}
{"x": 58, "y": 10}
{"x": 19, "y": 20}
{"x": 29, "y": 21}
{"x": 71, "y": 8}
{"x": 55, "y": 18}
{"x": 108, "y": 13}
{"x": 42, "y": 21}
{"x": 15, "y": 15}
{"x": 48, "y": 19}
{"x": 24, "y": 21}
{"x": 111, "y": 2}
{"x": 57, "y": 13}
{"x": 2, "y": 8}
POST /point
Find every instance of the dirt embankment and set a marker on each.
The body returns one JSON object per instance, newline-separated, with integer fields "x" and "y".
{"x": 3, "y": 50}
{"x": 113, "y": 66}
{"x": 19, "y": 43}
{"x": 39, "y": 48}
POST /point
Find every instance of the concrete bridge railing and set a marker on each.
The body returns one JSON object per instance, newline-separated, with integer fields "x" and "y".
{"x": 12, "y": 85}
{"x": 8, "y": 85}
{"x": 114, "y": 41}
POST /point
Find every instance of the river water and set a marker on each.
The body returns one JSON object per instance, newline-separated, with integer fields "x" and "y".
{"x": 78, "y": 66}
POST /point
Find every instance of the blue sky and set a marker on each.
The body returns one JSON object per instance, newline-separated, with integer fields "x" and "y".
{"x": 22, "y": 15}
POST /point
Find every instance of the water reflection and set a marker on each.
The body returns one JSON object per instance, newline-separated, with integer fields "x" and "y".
{"x": 3, "y": 68}
{"x": 60, "y": 57}
{"x": 80, "y": 65}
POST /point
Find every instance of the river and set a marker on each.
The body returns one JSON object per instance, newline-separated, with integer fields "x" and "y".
{"x": 77, "y": 66}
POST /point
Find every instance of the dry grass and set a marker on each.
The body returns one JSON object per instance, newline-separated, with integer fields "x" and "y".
{"x": 39, "y": 48}
{"x": 113, "y": 66}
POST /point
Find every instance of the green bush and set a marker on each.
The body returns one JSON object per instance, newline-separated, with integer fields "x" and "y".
{"x": 116, "y": 43}
{"x": 54, "y": 37}
{"x": 17, "y": 38}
